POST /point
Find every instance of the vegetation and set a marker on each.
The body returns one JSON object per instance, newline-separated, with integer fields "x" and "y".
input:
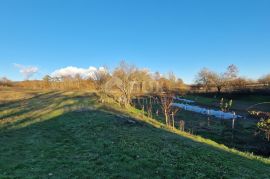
{"x": 169, "y": 111}
{"x": 209, "y": 78}
{"x": 264, "y": 125}
{"x": 241, "y": 134}
{"x": 225, "y": 106}
{"x": 5, "y": 82}
{"x": 265, "y": 80}
{"x": 44, "y": 133}
{"x": 110, "y": 124}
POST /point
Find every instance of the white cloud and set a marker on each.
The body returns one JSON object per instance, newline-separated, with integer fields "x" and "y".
{"x": 26, "y": 71}
{"x": 73, "y": 71}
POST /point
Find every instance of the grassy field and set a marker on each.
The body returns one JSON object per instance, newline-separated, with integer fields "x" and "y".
{"x": 240, "y": 102}
{"x": 52, "y": 134}
{"x": 245, "y": 136}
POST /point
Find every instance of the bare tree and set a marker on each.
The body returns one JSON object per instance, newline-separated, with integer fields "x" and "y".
{"x": 205, "y": 77}
{"x": 182, "y": 125}
{"x": 124, "y": 79}
{"x": 172, "y": 79}
{"x": 209, "y": 78}
{"x": 156, "y": 77}
{"x": 239, "y": 83}
{"x": 231, "y": 75}
{"x": 47, "y": 81}
{"x": 5, "y": 82}
{"x": 78, "y": 81}
{"x": 218, "y": 80}
{"x": 232, "y": 72}
{"x": 265, "y": 80}
{"x": 100, "y": 77}
{"x": 166, "y": 102}
{"x": 142, "y": 78}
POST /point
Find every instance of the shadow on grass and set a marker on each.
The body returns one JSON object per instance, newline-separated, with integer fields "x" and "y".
{"x": 43, "y": 102}
{"x": 102, "y": 144}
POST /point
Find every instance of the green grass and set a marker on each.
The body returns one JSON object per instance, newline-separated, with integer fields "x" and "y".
{"x": 244, "y": 137}
{"x": 240, "y": 102}
{"x": 75, "y": 137}
{"x": 202, "y": 99}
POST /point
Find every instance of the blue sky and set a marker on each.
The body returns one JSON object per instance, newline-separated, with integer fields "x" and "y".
{"x": 170, "y": 35}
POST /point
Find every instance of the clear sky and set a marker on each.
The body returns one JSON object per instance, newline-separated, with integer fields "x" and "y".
{"x": 170, "y": 35}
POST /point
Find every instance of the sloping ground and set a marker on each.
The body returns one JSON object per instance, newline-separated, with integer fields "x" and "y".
{"x": 67, "y": 135}
{"x": 241, "y": 102}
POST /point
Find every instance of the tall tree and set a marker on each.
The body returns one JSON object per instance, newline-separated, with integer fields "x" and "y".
{"x": 142, "y": 77}
{"x": 5, "y": 82}
{"x": 232, "y": 72}
{"x": 209, "y": 78}
{"x": 219, "y": 81}
{"x": 265, "y": 80}
{"x": 124, "y": 78}
{"x": 100, "y": 78}
{"x": 205, "y": 78}
{"x": 47, "y": 81}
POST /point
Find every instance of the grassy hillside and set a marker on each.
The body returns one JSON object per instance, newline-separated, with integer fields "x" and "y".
{"x": 244, "y": 136}
{"x": 69, "y": 135}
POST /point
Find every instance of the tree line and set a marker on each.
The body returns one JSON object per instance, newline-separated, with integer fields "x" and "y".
{"x": 229, "y": 80}
{"x": 127, "y": 81}
{"x": 121, "y": 84}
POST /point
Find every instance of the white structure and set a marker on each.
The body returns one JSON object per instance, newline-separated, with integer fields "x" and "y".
{"x": 209, "y": 112}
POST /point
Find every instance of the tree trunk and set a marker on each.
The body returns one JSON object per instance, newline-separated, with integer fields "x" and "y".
{"x": 141, "y": 87}
{"x": 166, "y": 117}
{"x": 219, "y": 89}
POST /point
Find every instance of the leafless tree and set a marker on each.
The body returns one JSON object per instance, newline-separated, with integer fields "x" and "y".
{"x": 47, "y": 81}
{"x": 166, "y": 102}
{"x": 78, "y": 81}
{"x": 124, "y": 79}
{"x": 265, "y": 80}
{"x": 218, "y": 80}
{"x": 232, "y": 72}
{"x": 182, "y": 125}
{"x": 209, "y": 78}
{"x": 239, "y": 83}
{"x": 5, "y": 82}
{"x": 142, "y": 78}
{"x": 205, "y": 77}
{"x": 100, "y": 78}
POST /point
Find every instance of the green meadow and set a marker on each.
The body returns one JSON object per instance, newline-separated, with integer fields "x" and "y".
{"x": 61, "y": 134}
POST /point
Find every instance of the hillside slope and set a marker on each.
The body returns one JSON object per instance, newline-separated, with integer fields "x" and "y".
{"x": 68, "y": 135}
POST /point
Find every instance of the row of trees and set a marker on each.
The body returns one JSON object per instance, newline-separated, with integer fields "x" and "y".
{"x": 5, "y": 82}
{"x": 128, "y": 80}
{"x": 56, "y": 83}
{"x": 265, "y": 80}
{"x": 229, "y": 80}
{"x": 128, "y": 77}
{"x": 120, "y": 84}
{"x": 208, "y": 78}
